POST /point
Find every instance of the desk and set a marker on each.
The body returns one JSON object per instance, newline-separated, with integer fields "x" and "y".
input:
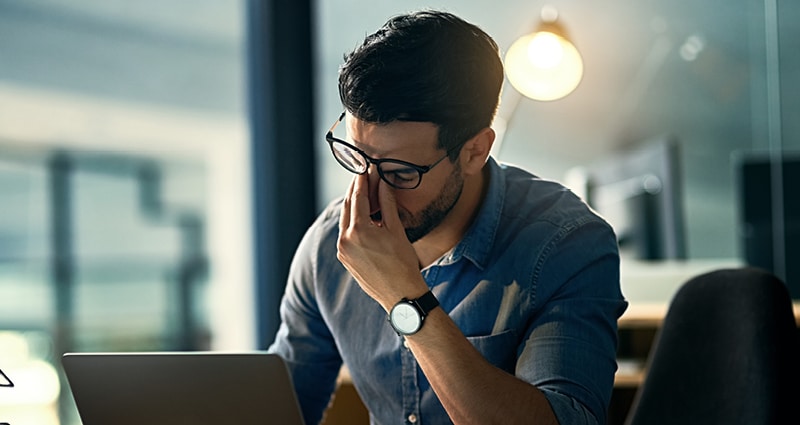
{"x": 346, "y": 407}
{"x": 652, "y": 314}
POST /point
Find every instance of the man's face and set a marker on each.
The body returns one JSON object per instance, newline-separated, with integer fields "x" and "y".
{"x": 421, "y": 209}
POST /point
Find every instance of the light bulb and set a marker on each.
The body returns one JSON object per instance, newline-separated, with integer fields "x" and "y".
{"x": 545, "y": 50}
{"x": 543, "y": 66}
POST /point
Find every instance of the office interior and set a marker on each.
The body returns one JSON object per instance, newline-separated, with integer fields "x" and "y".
{"x": 159, "y": 160}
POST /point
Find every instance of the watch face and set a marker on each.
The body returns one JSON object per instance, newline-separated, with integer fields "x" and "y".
{"x": 405, "y": 318}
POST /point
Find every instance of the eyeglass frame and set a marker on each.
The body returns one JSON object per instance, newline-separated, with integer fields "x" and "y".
{"x": 421, "y": 169}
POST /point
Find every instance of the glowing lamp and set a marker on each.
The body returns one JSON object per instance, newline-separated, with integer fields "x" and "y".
{"x": 544, "y": 65}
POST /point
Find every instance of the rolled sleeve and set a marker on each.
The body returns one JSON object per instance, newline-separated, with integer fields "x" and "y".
{"x": 570, "y": 351}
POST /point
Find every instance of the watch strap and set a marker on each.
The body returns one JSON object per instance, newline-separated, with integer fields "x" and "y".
{"x": 426, "y": 303}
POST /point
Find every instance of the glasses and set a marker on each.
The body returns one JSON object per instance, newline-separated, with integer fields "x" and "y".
{"x": 398, "y": 174}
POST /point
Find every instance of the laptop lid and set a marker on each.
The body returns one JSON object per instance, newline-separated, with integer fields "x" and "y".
{"x": 168, "y": 388}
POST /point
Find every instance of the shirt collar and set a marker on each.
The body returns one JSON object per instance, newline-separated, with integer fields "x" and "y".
{"x": 479, "y": 238}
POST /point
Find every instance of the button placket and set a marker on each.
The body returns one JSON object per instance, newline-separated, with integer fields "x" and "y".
{"x": 411, "y": 391}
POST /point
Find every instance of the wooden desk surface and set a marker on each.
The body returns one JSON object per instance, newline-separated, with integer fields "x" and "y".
{"x": 652, "y": 314}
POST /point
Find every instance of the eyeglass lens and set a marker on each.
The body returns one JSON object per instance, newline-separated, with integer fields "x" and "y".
{"x": 350, "y": 159}
{"x": 396, "y": 173}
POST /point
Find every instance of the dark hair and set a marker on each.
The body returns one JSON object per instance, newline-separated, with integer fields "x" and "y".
{"x": 426, "y": 66}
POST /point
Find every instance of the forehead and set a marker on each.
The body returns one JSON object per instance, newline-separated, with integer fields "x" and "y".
{"x": 396, "y": 137}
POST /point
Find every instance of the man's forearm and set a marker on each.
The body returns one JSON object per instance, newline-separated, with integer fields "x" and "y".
{"x": 470, "y": 388}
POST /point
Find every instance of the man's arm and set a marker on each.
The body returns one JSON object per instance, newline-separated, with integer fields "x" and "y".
{"x": 470, "y": 388}
{"x": 303, "y": 339}
{"x": 385, "y": 265}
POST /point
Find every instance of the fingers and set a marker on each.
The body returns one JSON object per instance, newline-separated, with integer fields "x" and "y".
{"x": 359, "y": 208}
{"x": 355, "y": 208}
{"x": 344, "y": 217}
{"x": 389, "y": 214}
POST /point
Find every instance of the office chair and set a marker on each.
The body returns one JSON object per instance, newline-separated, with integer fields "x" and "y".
{"x": 727, "y": 353}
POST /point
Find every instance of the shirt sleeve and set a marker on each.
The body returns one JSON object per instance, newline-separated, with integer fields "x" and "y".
{"x": 303, "y": 339}
{"x": 570, "y": 349}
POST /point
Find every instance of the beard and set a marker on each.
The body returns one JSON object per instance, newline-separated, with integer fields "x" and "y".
{"x": 420, "y": 224}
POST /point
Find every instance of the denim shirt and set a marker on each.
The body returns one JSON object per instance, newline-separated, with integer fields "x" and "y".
{"x": 533, "y": 285}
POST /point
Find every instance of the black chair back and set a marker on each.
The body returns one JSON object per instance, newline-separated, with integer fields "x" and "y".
{"x": 727, "y": 353}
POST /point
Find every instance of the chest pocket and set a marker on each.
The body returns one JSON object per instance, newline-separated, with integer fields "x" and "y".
{"x": 499, "y": 349}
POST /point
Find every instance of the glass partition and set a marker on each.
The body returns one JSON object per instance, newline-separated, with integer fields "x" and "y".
{"x": 715, "y": 76}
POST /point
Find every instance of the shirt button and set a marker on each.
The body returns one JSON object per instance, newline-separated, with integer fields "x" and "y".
{"x": 412, "y": 418}
{"x": 405, "y": 343}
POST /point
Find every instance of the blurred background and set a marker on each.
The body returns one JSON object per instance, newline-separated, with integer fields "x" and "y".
{"x": 159, "y": 160}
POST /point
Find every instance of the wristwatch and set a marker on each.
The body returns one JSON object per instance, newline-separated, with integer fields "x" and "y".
{"x": 407, "y": 315}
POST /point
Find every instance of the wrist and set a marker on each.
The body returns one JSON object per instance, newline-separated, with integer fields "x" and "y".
{"x": 415, "y": 288}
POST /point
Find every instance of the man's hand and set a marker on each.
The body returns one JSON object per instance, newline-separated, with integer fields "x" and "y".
{"x": 377, "y": 253}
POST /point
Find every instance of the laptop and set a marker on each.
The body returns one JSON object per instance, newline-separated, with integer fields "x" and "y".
{"x": 193, "y": 388}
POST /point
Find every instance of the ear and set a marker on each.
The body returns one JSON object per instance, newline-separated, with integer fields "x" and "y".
{"x": 476, "y": 151}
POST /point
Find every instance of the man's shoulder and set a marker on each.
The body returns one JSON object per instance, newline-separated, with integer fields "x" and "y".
{"x": 328, "y": 218}
{"x": 532, "y": 198}
{"x": 324, "y": 231}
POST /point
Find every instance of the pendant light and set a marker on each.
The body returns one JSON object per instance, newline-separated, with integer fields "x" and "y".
{"x": 544, "y": 65}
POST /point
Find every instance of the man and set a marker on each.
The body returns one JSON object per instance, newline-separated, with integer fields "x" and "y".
{"x": 501, "y": 289}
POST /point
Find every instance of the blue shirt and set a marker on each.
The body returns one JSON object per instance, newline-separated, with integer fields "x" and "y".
{"x": 533, "y": 285}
